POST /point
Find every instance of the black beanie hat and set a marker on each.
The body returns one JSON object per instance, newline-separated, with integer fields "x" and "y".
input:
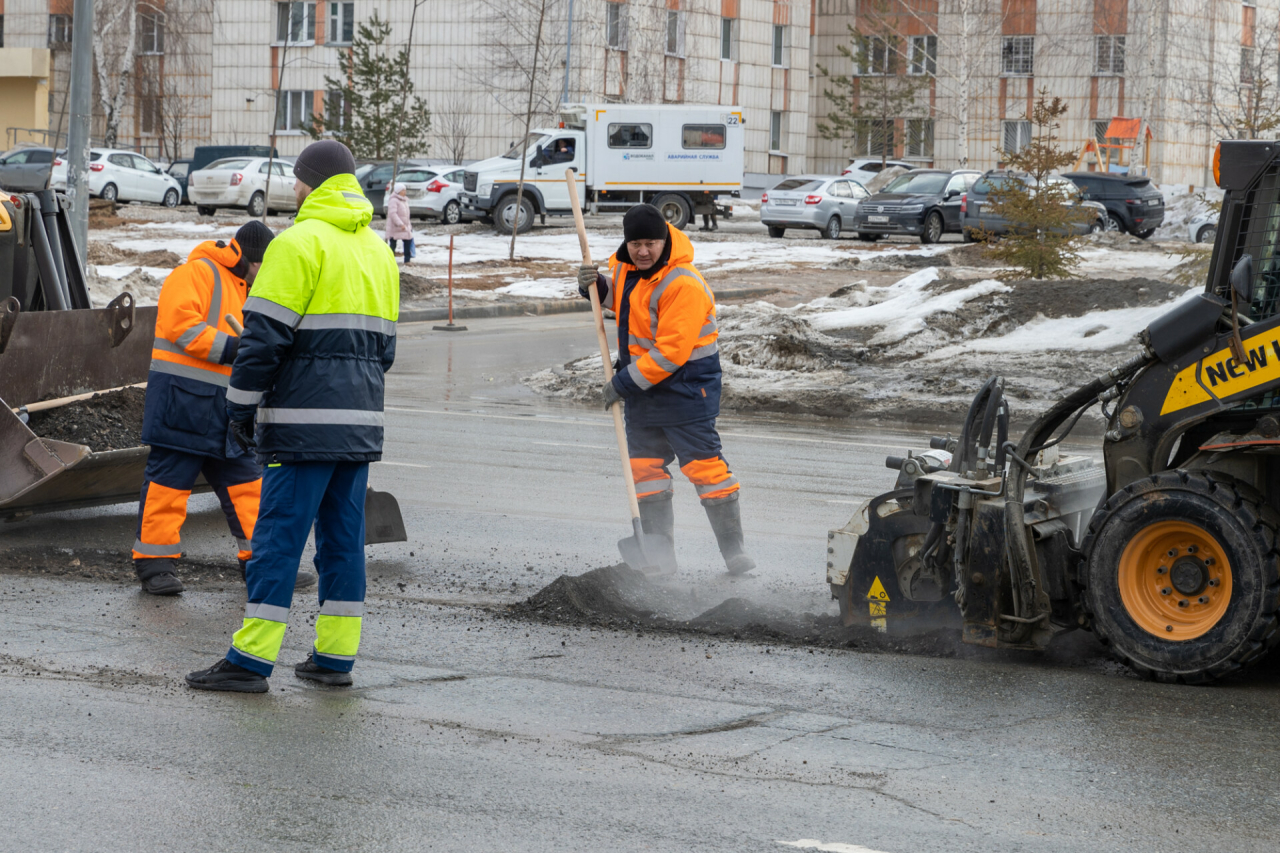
{"x": 321, "y": 160}
{"x": 252, "y": 238}
{"x": 644, "y": 222}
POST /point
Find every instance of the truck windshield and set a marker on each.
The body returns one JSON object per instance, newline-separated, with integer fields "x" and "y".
{"x": 528, "y": 142}
{"x": 929, "y": 183}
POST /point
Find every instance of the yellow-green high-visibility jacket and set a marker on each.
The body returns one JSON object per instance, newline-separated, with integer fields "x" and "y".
{"x": 319, "y": 333}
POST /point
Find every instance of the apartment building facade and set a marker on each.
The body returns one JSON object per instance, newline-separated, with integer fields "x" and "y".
{"x": 171, "y": 74}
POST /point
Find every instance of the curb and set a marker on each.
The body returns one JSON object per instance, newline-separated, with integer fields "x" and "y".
{"x": 546, "y": 306}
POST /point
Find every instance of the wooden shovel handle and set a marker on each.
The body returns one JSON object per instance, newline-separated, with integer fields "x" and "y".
{"x": 619, "y": 430}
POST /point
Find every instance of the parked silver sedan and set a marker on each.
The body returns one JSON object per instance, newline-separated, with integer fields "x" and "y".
{"x": 824, "y": 203}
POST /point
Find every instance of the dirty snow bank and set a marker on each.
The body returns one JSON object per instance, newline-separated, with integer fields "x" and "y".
{"x": 918, "y": 348}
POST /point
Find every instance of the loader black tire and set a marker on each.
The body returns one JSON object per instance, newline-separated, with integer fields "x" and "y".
{"x": 1226, "y": 515}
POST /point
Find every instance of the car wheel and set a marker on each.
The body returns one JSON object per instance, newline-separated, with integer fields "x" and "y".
{"x": 1097, "y": 226}
{"x": 933, "y": 227}
{"x": 868, "y": 238}
{"x": 452, "y": 213}
{"x": 1114, "y": 223}
{"x": 675, "y": 209}
{"x": 110, "y": 193}
{"x": 205, "y": 211}
{"x": 832, "y": 231}
{"x": 777, "y": 231}
{"x": 257, "y": 205}
{"x": 506, "y": 215}
{"x": 171, "y": 198}
{"x": 1207, "y": 234}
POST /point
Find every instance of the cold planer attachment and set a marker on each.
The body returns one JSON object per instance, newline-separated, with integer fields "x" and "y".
{"x": 1169, "y": 549}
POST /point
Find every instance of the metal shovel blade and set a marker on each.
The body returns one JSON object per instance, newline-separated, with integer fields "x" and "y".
{"x": 382, "y": 519}
{"x": 650, "y": 553}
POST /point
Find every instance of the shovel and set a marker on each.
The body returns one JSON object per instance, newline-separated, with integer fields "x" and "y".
{"x": 382, "y": 519}
{"x": 640, "y": 550}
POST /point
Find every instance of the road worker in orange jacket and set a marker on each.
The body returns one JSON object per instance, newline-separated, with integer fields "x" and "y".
{"x": 185, "y": 421}
{"x": 668, "y": 374}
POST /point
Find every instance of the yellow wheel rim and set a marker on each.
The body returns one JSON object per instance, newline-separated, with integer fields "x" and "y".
{"x": 1175, "y": 580}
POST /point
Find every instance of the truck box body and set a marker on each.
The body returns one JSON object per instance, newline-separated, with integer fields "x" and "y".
{"x": 680, "y": 157}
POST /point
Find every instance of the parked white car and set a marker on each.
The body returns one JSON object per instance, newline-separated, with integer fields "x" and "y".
{"x": 122, "y": 176}
{"x": 864, "y": 169}
{"x": 1203, "y": 227}
{"x": 442, "y": 197}
{"x": 242, "y": 182}
{"x": 416, "y": 179}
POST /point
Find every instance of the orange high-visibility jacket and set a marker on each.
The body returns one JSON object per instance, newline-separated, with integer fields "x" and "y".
{"x": 674, "y": 371}
{"x": 192, "y": 333}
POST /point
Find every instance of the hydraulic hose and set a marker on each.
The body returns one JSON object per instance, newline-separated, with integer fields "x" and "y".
{"x": 1018, "y": 544}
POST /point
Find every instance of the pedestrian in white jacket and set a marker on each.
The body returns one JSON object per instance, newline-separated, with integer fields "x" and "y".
{"x": 398, "y": 225}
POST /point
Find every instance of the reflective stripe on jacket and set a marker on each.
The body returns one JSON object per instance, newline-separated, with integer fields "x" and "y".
{"x": 192, "y": 353}
{"x": 320, "y": 332}
{"x": 674, "y": 373}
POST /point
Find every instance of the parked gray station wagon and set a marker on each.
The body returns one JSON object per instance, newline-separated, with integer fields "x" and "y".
{"x": 820, "y": 202}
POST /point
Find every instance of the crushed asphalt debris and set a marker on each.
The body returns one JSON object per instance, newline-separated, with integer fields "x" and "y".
{"x": 620, "y": 598}
{"x": 113, "y": 566}
{"x": 109, "y": 421}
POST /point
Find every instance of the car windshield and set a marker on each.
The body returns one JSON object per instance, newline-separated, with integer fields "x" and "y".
{"x": 797, "y": 185}
{"x": 928, "y": 183}
{"x": 415, "y": 177}
{"x": 538, "y": 139}
{"x": 228, "y": 164}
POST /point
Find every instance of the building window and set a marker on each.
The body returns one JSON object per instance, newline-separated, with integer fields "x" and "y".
{"x": 874, "y": 138}
{"x": 615, "y": 26}
{"x": 779, "y": 46}
{"x": 1247, "y": 60}
{"x": 702, "y": 136}
{"x": 920, "y": 138}
{"x": 342, "y": 23}
{"x": 1110, "y": 55}
{"x": 151, "y": 116}
{"x": 294, "y": 112}
{"x": 150, "y": 31}
{"x": 1017, "y": 135}
{"x": 729, "y": 39}
{"x": 337, "y": 109}
{"x": 1, "y": 30}
{"x": 675, "y": 33}
{"x": 59, "y": 30}
{"x": 1105, "y": 155}
{"x": 924, "y": 55}
{"x": 295, "y": 23}
{"x": 874, "y": 56}
{"x": 775, "y": 131}
{"x": 1017, "y": 55}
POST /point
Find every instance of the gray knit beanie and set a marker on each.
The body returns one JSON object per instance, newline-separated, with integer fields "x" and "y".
{"x": 321, "y": 160}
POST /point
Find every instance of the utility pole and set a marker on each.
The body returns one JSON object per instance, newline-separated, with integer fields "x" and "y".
{"x": 568, "y": 56}
{"x": 78, "y": 131}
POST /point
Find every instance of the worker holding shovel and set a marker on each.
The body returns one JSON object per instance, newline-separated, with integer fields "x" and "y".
{"x": 668, "y": 374}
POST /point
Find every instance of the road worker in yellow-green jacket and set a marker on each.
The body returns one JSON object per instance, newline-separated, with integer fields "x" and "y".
{"x": 320, "y": 332}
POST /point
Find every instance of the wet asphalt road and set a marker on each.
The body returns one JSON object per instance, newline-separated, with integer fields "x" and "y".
{"x": 472, "y": 732}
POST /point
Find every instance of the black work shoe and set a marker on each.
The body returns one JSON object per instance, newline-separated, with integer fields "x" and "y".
{"x": 225, "y": 675}
{"x": 158, "y": 575}
{"x": 309, "y": 669}
{"x": 305, "y": 580}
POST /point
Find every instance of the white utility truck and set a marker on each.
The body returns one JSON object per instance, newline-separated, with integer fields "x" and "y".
{"x": 685, "y": 159}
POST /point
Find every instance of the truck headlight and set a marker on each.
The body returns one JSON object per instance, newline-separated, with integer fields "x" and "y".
{"x": 484, "y": 189}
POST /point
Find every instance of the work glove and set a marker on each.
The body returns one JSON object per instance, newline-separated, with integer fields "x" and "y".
{"x": 587, "y": 276}
{"x": 242, "y": 434}
{"x": 610, "y": 395}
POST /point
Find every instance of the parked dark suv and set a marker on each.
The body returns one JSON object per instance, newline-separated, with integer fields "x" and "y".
{"x": 977, "y": 215}
{"x": 1133, "y": 204}
{"x": 923, "y": 202}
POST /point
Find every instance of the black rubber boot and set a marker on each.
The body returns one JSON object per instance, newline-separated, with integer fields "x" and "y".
{"x": 657, "y": 516}
{"x": 726, "y": 521}
{"x": 313, "y": 671}
{"x": 227, "y": 677}
{"x": 305, "y": 579}
{"x": 159, "y": 576}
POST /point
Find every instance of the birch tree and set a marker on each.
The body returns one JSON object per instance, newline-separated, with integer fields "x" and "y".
{"x": 115, "y": 47}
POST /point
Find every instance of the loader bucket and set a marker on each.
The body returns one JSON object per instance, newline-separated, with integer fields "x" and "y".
{"x": 49, "y": 354}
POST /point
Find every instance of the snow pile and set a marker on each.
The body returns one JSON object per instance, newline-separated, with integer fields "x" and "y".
{"x": 541, "y": 288}
{"x": 1181, "y": 206}
{"x": 108, "y": 281}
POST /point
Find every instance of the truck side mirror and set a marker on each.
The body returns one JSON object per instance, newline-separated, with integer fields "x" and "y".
{"x": 1242, "y": 278}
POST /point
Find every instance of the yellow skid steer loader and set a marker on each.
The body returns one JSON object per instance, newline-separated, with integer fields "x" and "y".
{"x": 1169, "y": 550}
